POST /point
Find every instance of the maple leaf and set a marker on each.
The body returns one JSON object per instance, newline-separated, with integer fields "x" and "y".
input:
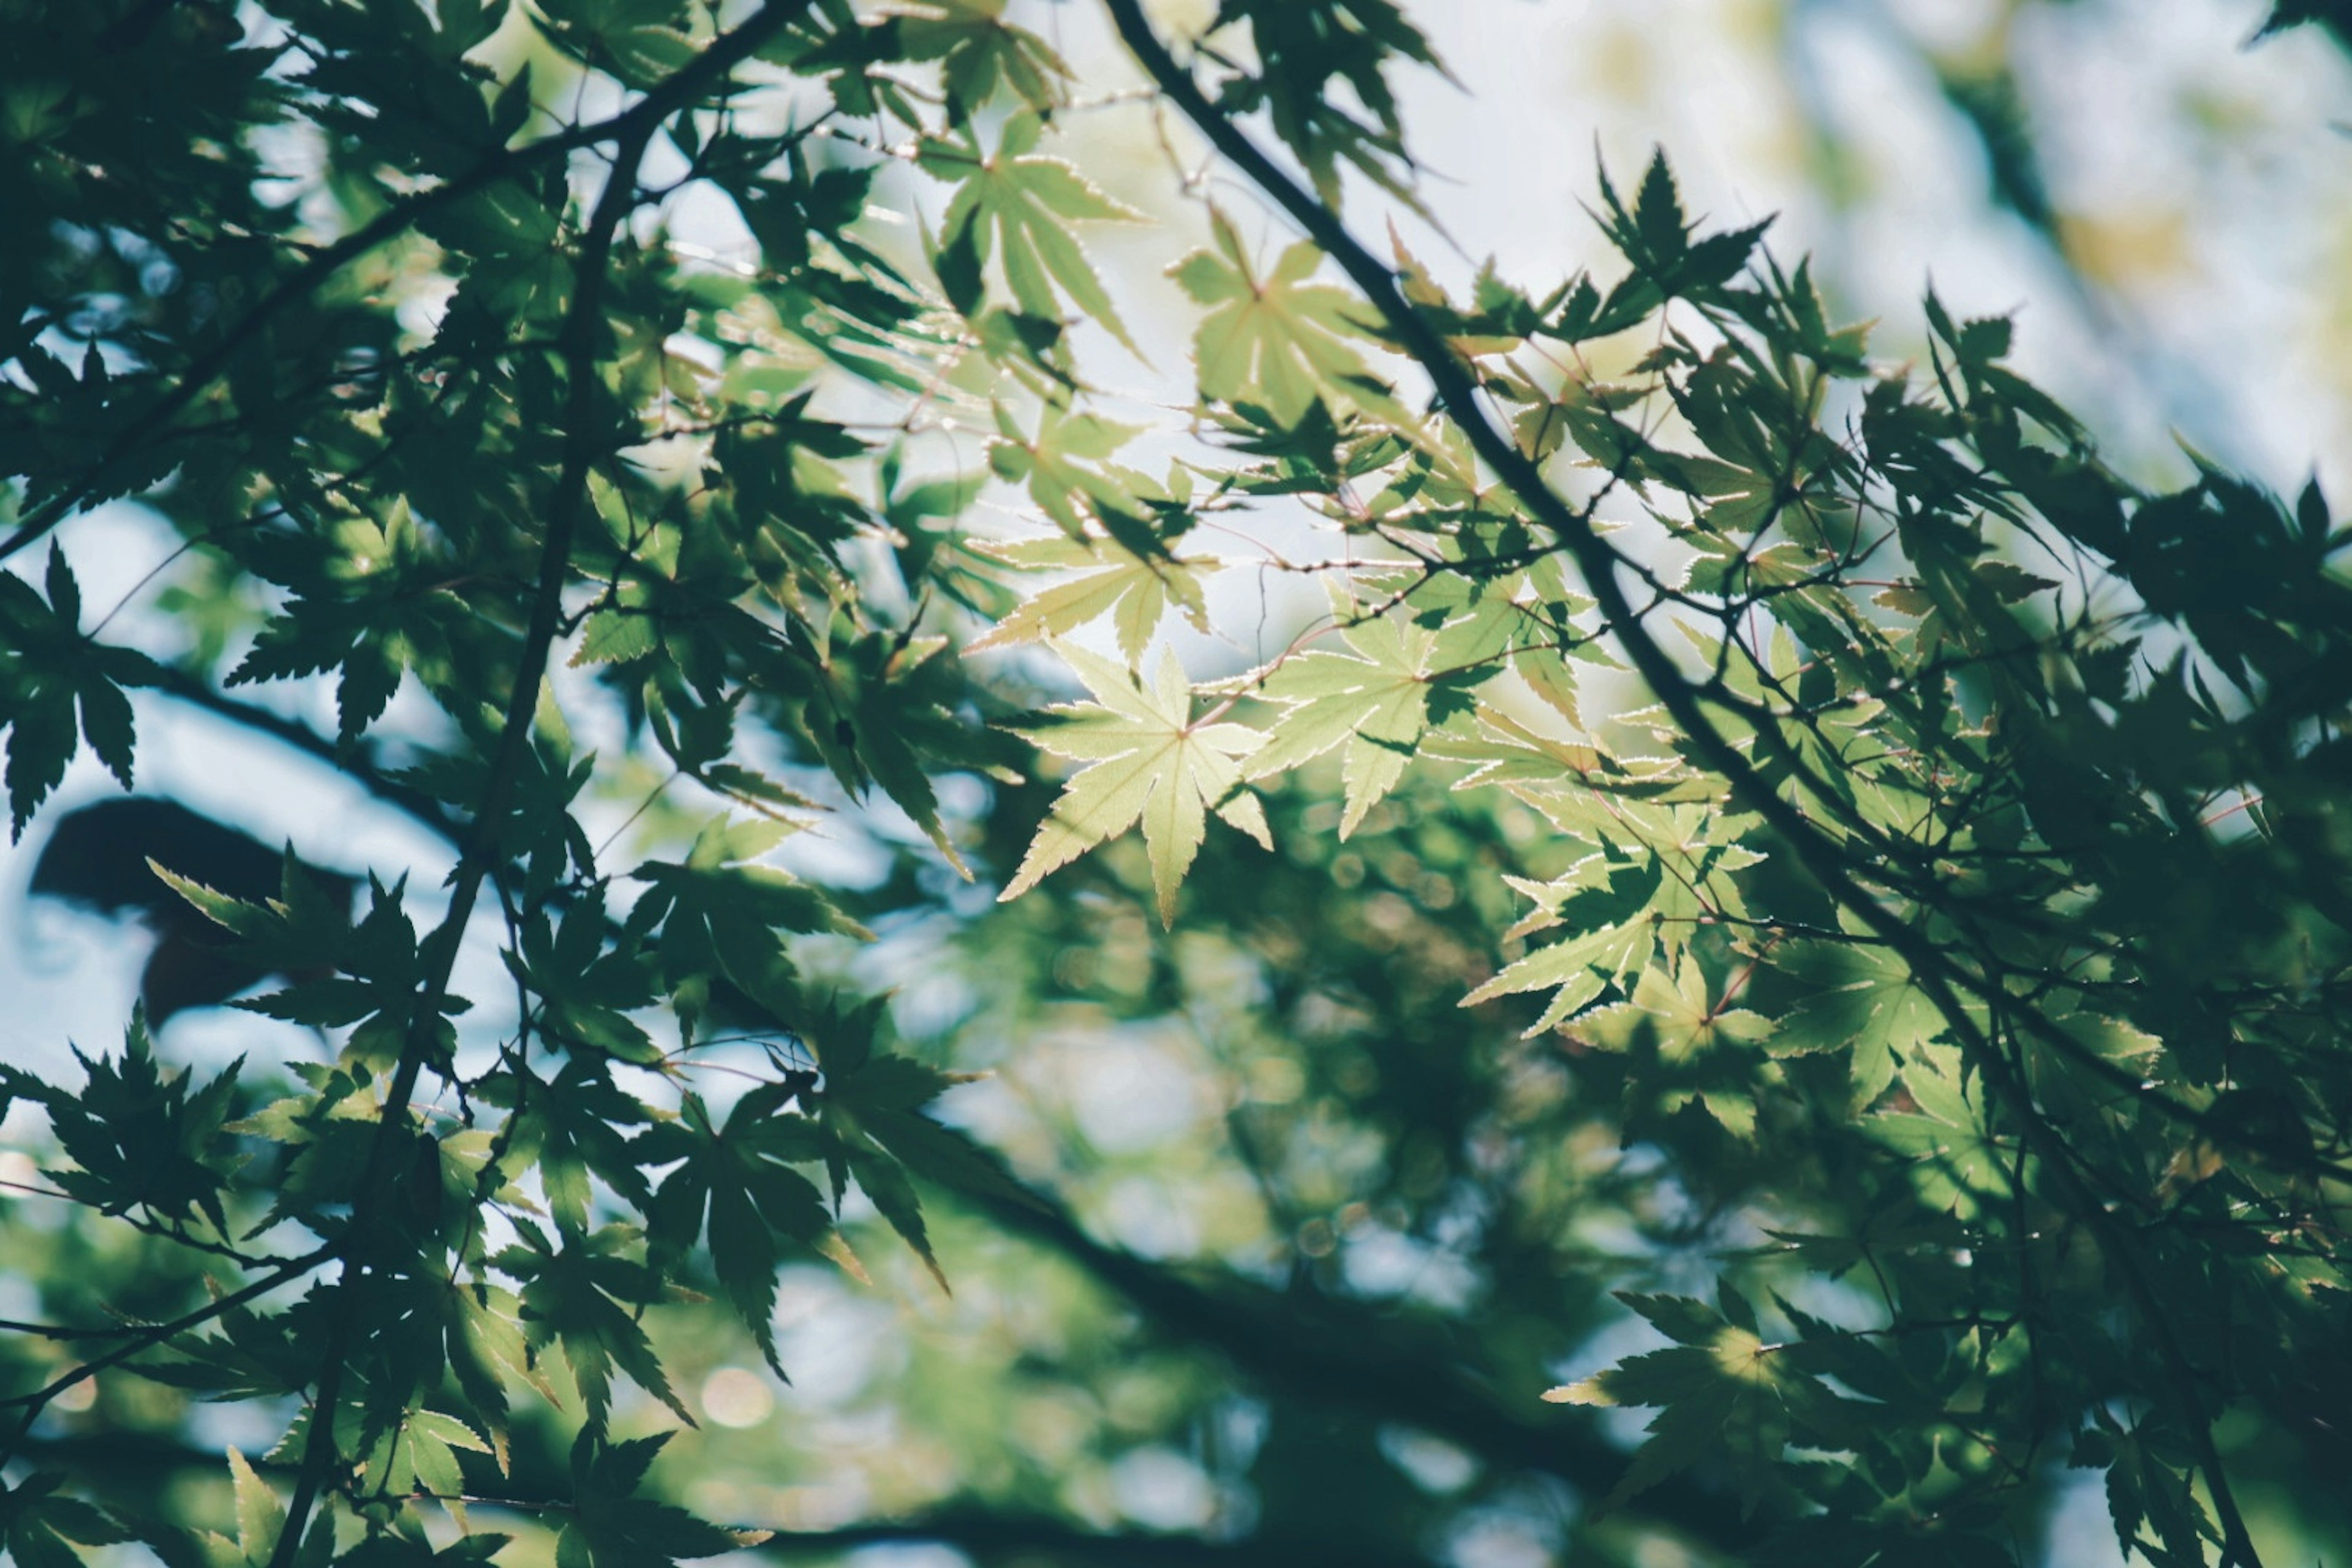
{"x": 260, "y": 1516}
{"x": 738, "y": 1175}
{"x": 1276, "y": 341}
{"x": 1685, "y": 1021}
{"x": 1376, "y": 706}
{"x": 48, "y": 669}
{"x": 720, "y": 910}
{"x": 1860, "y": 997}
{"x": 978, "y": 48}
{"x": 39, "y": 1523}
{"x": 1609, "y": 904}
{"x": 611, "y": 1525}
{"x": 1502, "y": 751}
{"x": 589, "y": 1298}
{"x": 1135, "y": 590}
{"x": 1067, "y": 463}
{"x": 1145, "y": 758}
{"x": 1720, "y": 1392}
{"x": 1021, "y": 206}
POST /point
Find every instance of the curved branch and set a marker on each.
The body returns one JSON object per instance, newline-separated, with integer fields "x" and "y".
{"x": 1031, "y": 1537}
{"x": 355, "y": 762}
{"x": 148, "y": 1338}
{"x": 581, "y": 343}
{"x": 1940, "y": 979}
{"x": 1350, "y": 1359}
{"x": 1329, "y": 1365}
{"x": 640, "y": 119}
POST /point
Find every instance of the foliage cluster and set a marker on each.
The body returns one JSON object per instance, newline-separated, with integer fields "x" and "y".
{"x": 1961, "y": 895}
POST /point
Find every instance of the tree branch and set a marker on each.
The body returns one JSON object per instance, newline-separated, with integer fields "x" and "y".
{"x": 1328, "y": 1362}
{"x": 726, "y": 51}
{"x": 1599, "y": 564}
{"x": 356, "y": 761}
{"x": 969, "y": 1526}
{"x": 1350, "y": 1360}
{"x": 581, "y": 343}
{"x": 148, "y": 1338}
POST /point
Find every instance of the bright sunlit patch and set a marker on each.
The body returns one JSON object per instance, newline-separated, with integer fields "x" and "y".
{"x": 1162, "y": 1488}
{"x": 734, "y": 1397}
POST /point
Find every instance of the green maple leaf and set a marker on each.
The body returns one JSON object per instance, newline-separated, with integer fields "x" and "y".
{"x": 976, "y": 48}
{"x": 871, "y": 1108}
{"x": 1581, "y": 967}
{"x": 640, "y": 41}
{"x": 484, "y": 1340}
{"x": 1699, "y": 851}
{"x": 617, "y": 637}
{"x": 304, "y": 928}
{"x": 1020, "y": 206}
{"x": 38, "y": 1525}
{"x": 1376, "y": 705}
{"x": 420, "y": 1455}
{"x": 575, "y": 1297}
{"x": 612, "y": 1526}
{"x": 1610, "y": 901}
{"x": 1145, "y": 758}
{"x": 1064, "y": 464}
{"x": 1717, "y": 1397}
{"x": 1278, "y": 341}
{"x": 48, "y": 670}
{"x": 1685, "y": 1021}
{"x": 1860, "y": 996}
{"x": 260, "y": 1516}
{"x": 588, "y": 991}
{"x": 1959, "y": 1163}
{"x": 139, "y": 1137}
{"x": 738, "y": 1175}
{"x": 1136, "y": 591}
{"x": 721, "y": 915}
{"x": 1501, "y": 750}
{"x": 573, "y": 1131}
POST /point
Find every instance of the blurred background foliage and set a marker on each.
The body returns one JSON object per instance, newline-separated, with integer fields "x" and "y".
{"x": 1311, "y": 1238}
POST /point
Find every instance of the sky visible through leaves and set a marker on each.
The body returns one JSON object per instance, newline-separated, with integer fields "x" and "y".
{"x": 2232, "y": 275}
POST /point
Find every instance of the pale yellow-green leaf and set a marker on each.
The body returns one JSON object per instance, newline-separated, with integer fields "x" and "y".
{"x": 1546, "y": 675}
{"x": 1587, "y": 875}
{"x": 1278, "y": 341}
{"x": 1582, "y": 968}
{"x": 1147, "y": 761}
{"x": 1020, "y": 206}
{"x": 1588, "y": 1392}
{"x": 1135, "y": 592}
{"x": 1685, "y": 1021}
{"x": 1373, "y": 701}
{"x": 1734, "y": 1111}
{"x": 1502, "y": 751}
{"x": 613, "y": 636}
{"x": 1066, "y": 468}
{"x": 978, "y": 48}
{"x": 260, "y": 1514}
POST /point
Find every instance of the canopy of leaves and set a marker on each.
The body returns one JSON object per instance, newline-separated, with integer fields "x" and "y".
{"x": 1752, "y": 812}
